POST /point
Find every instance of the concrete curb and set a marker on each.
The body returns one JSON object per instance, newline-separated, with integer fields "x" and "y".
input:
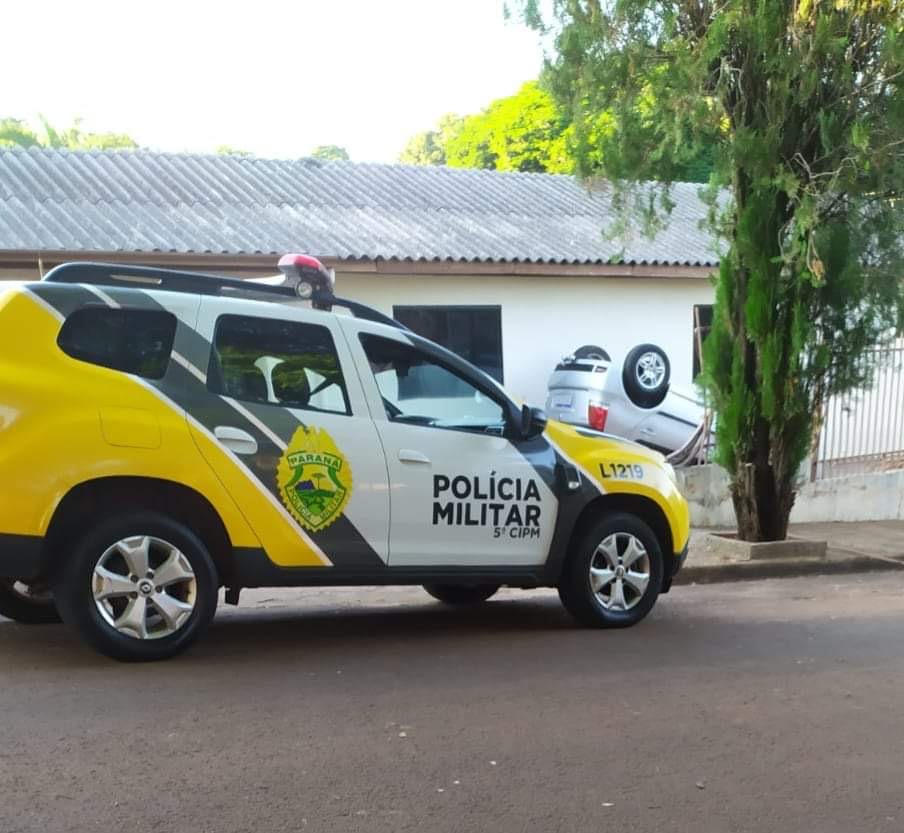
{"x": 838, "y": 561}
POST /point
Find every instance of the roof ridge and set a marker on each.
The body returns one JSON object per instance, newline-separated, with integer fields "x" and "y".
{"x": 313, "y": 161}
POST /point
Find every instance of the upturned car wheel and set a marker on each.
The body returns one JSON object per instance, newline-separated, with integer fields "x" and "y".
{"x": 461, "y": 594}
{"x": 140, "y": 587}
{"x": 30, "y": 603}
{"x": 613, "y": 577}
{"x": 591, "y": 351}
{"x": 646, "y": 375}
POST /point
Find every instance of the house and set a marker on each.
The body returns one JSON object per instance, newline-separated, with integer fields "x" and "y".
{"x": 510, "y": 270}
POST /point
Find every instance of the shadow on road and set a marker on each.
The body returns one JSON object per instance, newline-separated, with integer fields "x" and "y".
{"x": 338, "y": 632}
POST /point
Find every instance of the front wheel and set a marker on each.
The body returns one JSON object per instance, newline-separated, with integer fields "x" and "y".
{"x": 140, "y": 587}
{"x": 613, "y": 577}
{"x": 461, "y": 594}
{"x": 28, "y": 603}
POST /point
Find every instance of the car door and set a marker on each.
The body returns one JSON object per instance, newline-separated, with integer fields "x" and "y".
{"x": 464, "y": 493}
{"x": 290, "y": 410}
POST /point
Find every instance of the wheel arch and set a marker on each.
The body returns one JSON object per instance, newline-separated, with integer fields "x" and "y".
{"x": 643, "y": 507}
{"x": 108, "y": 495}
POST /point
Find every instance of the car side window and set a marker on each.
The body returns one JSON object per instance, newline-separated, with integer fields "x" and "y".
{"x": 417, "y": 389}
{"x": 275, "y": 362}
{"x": 130, "y": 340}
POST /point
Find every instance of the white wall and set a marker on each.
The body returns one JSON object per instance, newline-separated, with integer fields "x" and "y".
{"x": 544, "y": 318}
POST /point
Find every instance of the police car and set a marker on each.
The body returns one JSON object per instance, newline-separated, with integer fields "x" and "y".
{"x": 164, "y": 434}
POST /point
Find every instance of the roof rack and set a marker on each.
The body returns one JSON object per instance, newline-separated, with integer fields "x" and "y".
{"x": 200, "y": 283}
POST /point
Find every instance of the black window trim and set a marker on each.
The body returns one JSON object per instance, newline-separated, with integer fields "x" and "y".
{"x": 141, "y": 311}
{"x": 214, "y": 368}
{"x": 444, "y": 307}
{"x": 458, "y": 366}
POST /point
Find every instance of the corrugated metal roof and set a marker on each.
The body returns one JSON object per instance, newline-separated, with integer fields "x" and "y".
{"x": 140, "y": 201}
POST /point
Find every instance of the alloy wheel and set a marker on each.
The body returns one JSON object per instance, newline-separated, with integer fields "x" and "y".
{"x": 144, "y": 587}
{"x": 619, "y": 571}
{"x": 650, "y": 371}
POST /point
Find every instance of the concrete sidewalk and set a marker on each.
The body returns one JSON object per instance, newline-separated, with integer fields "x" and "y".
{"x": 853, "y": 547}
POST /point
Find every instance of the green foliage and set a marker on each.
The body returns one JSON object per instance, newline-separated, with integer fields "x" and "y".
{"x": 524, "y": 132}
{"x": 229, "y": 150}
{"x": 429, "y": 147}
{"x": 529, "y": 131}
{"x": 330, "y": 153}
{"x": 800, "y": 108}
{"x": 15, "y": 132}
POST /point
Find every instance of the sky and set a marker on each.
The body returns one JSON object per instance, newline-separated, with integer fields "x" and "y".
{"x": 273, "y": 78}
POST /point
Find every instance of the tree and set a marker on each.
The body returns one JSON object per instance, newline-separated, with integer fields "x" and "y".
{"x": 527, "y": 131}
{"x": 229, "y": 150}
{"x": 523, "y": 132}
{"x": 429, "y": 147}
{"x": 805, "y": 99}
{"x": 330, "y": 153}
{"x": 15, "y": 132}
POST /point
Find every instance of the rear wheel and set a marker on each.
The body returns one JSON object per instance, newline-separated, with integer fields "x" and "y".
{"x": 613, "y": 577}
{"x": 591, "y": 351}
{"x": 646, "y": 375}
{"x": 139, "y": 587}
{"x": 29, "y": 603}
{"x": 461, "y": 594}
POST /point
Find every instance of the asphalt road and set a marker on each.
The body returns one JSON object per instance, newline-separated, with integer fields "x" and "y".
{"x": 761, "y": 706}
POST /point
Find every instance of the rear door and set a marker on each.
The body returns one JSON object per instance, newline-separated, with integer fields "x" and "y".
{"x": 291, "y": 412}
{"x": 464, "y": 493}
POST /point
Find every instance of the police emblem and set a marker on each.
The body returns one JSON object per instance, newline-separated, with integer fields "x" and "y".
{"x": 315, "y": 479}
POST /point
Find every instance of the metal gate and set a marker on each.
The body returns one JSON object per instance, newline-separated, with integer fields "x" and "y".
{"x": 863, "y": 430}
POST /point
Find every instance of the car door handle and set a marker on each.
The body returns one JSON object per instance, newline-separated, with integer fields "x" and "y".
{"x": 407, "y": 455}
{"x": 235, "y": 439}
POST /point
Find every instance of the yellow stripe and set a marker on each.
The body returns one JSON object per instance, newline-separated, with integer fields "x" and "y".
{"x": 51, "y": 439}
{"x": 590, "y": 453}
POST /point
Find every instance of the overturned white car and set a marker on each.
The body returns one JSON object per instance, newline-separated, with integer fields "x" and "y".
{"x": 633, "y": 399}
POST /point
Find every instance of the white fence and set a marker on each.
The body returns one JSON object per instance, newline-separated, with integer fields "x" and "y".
{"x": 863, "y": 431}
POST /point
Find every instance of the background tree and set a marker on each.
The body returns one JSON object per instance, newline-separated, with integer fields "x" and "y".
{"x": 229, "y": 150}
{"x": 523, "y": 132}
{"x": 805, "y": 97}
{"x": 429, "y": 147}
{"x": 16, "y": 132}
{"x": 330, "y": 153}
{"x": 529, "y": 131}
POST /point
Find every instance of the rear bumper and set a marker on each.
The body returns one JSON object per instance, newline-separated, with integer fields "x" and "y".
{"x": 21, "y": 556}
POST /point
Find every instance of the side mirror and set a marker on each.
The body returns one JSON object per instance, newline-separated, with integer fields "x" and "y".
{"x": 533, "y": 422}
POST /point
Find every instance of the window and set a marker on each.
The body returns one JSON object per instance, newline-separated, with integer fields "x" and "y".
{"x": 703, "y": 321}
{"x": 131, "y": 340}
{"x": 276, "y": 362}
{"x": 474, "y": 333}
{"x": 418, "y": 390}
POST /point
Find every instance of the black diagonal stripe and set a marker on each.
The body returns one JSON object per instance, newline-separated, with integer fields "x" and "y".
{"x": 345, "y": 546}
{"x": 65, "y": 298}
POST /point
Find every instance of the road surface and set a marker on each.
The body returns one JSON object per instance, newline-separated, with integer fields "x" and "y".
{"x": 761, "y": 706}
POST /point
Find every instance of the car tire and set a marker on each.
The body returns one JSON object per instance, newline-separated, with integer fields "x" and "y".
{"x": 646, "y": 375}
{"x": 591, "y": 351}
{"x": 461, "y": 594}
{"x": 614, "y": 576}
{"x": 132, "y": 617}
{"x": 19, "y": 602}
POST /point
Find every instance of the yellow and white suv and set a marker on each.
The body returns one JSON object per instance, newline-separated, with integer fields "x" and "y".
{"x": 164, "y": 434}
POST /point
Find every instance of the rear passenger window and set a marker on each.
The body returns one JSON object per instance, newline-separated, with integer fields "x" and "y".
{"x": 131, "y": 340}
{"x": 277, "y": 362}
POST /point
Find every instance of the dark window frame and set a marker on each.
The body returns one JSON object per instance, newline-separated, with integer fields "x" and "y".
{"x": 122, "y": 313}
{"x": 215, "y": 374}
{"x": 400, "y": 310}
{"x": 487, "y": 390}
